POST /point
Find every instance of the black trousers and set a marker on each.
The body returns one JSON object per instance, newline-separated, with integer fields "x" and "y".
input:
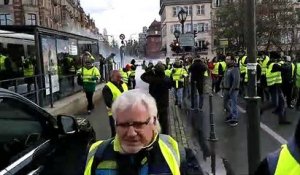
{"x": 89, "y": 97}
{"x": 112, "y": 126}
{"x": 163, "y": 119}
{"x": 287, "y": 89}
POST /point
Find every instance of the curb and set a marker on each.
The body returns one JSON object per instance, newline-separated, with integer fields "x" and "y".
{"x": 73, "y": 104}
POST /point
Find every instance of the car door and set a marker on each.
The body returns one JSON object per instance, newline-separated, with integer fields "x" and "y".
{"x": 25, "y": 137}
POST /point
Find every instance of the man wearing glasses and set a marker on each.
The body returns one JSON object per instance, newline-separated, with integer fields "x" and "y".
{"x": 137, "y": 148}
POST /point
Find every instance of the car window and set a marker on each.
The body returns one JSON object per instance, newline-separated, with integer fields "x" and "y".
{"x": 20, "y": 130}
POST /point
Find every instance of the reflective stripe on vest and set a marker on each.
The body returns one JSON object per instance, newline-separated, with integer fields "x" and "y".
{"x": 178, "y": 75}
{"x": 29, "y": 72}
{"x": 264, "y": 65}
{"x": 287, "y": 165}
{"x": 215, "y": 71}
{"x": 168, "y": 147}
{"x": 2, "y": 62}
{"x": 115, "y": 92}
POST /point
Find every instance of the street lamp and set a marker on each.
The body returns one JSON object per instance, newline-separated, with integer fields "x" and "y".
{"x": 182, "y": 15}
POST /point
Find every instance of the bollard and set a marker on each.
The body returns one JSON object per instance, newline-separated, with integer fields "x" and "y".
{"x": 212, "y": 136}
{"x": 50, "y": 88}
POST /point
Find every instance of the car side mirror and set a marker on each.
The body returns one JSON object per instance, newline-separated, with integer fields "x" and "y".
{"x": 67, "y": 124}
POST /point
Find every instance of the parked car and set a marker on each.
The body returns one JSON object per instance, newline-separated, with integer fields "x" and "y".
{"x": 32, "y": 141}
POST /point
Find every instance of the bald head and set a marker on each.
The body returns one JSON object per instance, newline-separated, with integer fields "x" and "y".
{"x": 115, "y": 76}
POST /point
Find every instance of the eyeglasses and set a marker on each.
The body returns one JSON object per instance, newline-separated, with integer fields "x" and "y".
{"x": 136, "y": 125}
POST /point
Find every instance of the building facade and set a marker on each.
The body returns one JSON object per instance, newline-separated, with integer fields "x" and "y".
{"x": 142, "y": 42}
{"x": 153, "y": 44}
{"x": 65, "y": 15}
{"x": 198, "y": 19}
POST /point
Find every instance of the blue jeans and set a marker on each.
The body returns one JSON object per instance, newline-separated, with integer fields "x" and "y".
{"x": 178, "y": 95}
{"x": 232, "y": 107}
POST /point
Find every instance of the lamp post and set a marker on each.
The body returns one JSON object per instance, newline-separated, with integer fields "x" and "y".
{"x": 182, "y": 15}
{"x": 177, "y": 34}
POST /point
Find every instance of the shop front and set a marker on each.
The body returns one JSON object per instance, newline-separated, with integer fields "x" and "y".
{"x": 41, "y": 63}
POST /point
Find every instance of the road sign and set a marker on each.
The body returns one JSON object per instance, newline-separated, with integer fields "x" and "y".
{"x": 122, "y": 37}
{"x": 223, "y": 42}
{"x": 187, "y": 39}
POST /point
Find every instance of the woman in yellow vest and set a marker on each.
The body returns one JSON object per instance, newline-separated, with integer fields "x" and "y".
{"x": 90, "y": 74}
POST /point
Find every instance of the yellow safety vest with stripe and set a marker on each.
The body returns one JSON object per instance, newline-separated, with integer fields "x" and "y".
{"x": 168, "y": 148}
{"x": 29, "y": 72}
{"x": 264, "y": 65}
{"x": 298, "y": 75}
{"x": 215, "y": 71}
{"x": 206, "y": 73}
{"x": 178, "y": 75}
{"x": 2, "y": 62}
{"x": 287, "y": 165}
{"x": 124, "y": 76}
{"x": 243, "y": 66}
{"x": 89, "y": 74}
{"x": 273, "y": 77}
{"x": 132, "y": 73}
{"x": 115, "y": 92}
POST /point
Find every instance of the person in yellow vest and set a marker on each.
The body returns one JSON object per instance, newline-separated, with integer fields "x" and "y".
{"x": 6, "y": 71}
{"x": 168, "y": 65}
{"x": 132, "y": 73}
{"x": 111, "y": 91}
{"x": 178, "y": 74}
{"x": 274, "y": 81}
{"x": 297, "y": 81}
{"x": 28, "y": 69}
{"x": 285, "y": 161}
{"x": 243, "y": 69}
{"x": 90, "y": 74}
{"x": 264, "y": 62}
{"x": 214, "y": 67}
{"x": 137, "y": 148}
{"x": 287, "y": 73}
{"x": 124, "y": 75}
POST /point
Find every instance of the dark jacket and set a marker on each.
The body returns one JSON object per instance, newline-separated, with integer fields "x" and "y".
{"x": 159, "y": 86}
{"x": 107, "y": 94}
{"x": 231, "y": 80}
{"x": 197, "y": 71}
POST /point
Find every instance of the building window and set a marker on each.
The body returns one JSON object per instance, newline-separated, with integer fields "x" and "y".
{"x": 201, "y": 10}
{"x": 5, "y": 19}
{"x": 188, "y": 27}
{"x": 202, "y": 27}
{"x": 6, "y": 2}
{"x": 189, "y": 10}
{"x": 31, "y": 19}
{"x": 175, "y": 27}
{"x": 201, "y": 43}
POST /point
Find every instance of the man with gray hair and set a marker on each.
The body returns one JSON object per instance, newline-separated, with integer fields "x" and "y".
{"x": 138, "y": 148}
{"x": 111, "y": 91}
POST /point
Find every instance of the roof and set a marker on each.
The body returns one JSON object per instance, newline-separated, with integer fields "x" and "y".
{"x": 155, "y": 25}
{"x": 164, "y": 3}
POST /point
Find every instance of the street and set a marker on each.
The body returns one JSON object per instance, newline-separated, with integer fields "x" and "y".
{"x": 232, "y": 141}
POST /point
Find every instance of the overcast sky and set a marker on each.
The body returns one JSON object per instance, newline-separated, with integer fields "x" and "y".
{"x": 122, "y": 16}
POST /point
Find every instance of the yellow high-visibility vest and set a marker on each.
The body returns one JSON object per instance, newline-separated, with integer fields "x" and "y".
{"x": 88, "y": 74}
{"x": 273, "y": 77}
{"x": 264, "y": 65}
{"x": 124, "y": 76}
{"x": 115, "y": 92}
{"x": 243, "y": 66}
{"x": 178, "y": 75}
{"x": 215, "y": 71}
{"x": 168, "y": 148}
{"x": 2, "y": 62}
{"x": 29, "y": 72}
{"x": 287, "y": 164}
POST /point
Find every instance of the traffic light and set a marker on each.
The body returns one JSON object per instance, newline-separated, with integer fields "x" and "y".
{"x": 195, "y": 33}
